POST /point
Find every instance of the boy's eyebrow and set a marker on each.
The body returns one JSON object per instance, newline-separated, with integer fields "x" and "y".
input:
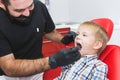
{"x": 77, "y": 33}
{"x": 19, "y": 10}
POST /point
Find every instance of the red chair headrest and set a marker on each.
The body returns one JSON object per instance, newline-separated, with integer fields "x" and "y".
{"x": 106, "y": 23}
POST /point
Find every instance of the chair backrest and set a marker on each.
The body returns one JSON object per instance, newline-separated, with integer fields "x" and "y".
{"x": 111, "y": 54}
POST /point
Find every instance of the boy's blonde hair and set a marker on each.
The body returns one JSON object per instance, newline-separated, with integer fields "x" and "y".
{"x": 100, "y": 33}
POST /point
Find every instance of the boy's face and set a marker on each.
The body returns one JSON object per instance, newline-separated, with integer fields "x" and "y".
{"x": 85, "y": 40}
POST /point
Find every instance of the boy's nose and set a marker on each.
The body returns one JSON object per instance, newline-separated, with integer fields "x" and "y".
{"x": 77, "y": 37}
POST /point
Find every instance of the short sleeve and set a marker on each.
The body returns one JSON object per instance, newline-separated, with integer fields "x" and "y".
{"x": 4, "y": 45}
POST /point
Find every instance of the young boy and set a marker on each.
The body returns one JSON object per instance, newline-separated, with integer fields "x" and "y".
{"x": 91, "y": 39}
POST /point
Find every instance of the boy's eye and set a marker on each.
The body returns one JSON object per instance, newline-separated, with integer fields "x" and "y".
{"x": 84, "y": 35}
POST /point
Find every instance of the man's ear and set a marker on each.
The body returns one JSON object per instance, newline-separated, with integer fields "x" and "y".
{"x": 0, "y": 2}
{"x": 2, "y": 5}
{"x": 97, "y": 45}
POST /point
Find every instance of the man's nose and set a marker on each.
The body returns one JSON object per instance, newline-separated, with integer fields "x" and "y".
{"x": 26, "y": 12}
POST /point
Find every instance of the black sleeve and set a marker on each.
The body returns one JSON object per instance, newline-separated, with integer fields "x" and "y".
{"x": 49, "y": 25}
{"x": 4, "y": 46}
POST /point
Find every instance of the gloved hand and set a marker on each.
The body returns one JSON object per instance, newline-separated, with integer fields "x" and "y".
{"x": 69, "y": 37}
{"x": 64, "y": 57}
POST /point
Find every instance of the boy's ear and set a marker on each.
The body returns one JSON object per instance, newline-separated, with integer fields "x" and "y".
{"x": 97, "y": 45}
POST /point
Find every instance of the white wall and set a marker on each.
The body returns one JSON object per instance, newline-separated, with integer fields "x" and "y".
{"x": 59, "y": 10}
{"x": 88, "y": 9}
{"x": 115, "y": 39}
{"x": 80, "y": 10}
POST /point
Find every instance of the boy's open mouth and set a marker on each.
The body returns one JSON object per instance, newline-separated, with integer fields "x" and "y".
{"x": 79, "y": 46}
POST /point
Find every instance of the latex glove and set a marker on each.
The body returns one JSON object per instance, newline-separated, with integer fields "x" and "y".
{"x": 64, "y": 57}
{"x": 69, "y": 37}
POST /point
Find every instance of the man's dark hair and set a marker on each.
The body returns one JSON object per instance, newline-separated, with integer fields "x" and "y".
{"x": 6, "y": 2}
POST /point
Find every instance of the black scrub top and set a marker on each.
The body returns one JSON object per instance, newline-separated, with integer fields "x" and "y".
{"x": 25, "y": 42}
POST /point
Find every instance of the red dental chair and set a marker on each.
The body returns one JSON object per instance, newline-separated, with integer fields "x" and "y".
{"x": 111, "y": 54}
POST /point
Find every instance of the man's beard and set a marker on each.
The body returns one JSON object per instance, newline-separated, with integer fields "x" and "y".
{"x": 20, "y": 20}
